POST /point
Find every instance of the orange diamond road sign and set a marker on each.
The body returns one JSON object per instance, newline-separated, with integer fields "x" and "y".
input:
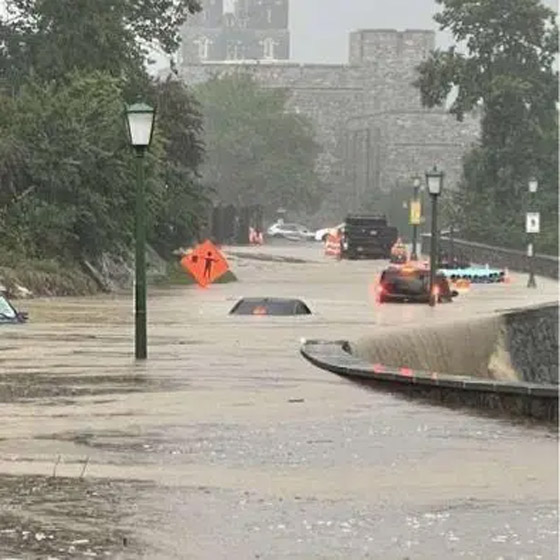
{"x": 205, "y": 263}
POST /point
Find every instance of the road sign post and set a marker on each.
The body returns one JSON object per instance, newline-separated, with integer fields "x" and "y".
{"x": 415, "y": 218}
{"x": 532, "y": 227}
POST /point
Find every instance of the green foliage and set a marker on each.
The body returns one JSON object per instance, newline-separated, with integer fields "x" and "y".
{"x": 181, "y": 206}
{"x": 50, "y": 38}
{"x": 258, "y": 151}
{"x": 66, "y": 168}
{"x": 506, "y": 73}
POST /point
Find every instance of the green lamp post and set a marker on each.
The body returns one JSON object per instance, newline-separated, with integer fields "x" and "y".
{"x": 140, "y": 120}
{"x": 434, "y": 181}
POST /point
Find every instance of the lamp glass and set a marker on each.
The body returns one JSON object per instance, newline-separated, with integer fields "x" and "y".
{"x": 434, "y": 180}
{"x": 533, "y": 185}
{"x": 140, "y": 119}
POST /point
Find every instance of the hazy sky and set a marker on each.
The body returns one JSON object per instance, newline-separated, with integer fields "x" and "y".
{"x": 320, "y": 28}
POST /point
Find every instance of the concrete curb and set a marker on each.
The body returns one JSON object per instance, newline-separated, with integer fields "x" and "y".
{"x": 532, "y": 400}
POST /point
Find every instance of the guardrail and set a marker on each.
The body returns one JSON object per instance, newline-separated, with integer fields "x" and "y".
{"x": 499, "y": 257}
{"x": 534, "y": 400}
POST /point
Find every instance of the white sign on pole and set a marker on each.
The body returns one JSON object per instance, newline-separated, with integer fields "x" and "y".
{"x": 530, "y": 250}
{"x": 533, "y": 222}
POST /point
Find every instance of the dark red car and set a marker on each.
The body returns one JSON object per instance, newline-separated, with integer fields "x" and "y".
{"x": 412, "y": 284}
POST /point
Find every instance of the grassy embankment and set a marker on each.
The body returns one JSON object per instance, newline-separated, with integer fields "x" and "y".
{"x": 50, "y": 278}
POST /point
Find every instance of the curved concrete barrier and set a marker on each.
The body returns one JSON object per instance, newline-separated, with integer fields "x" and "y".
{"x": 514, "y": 345}
{"x": 521, "y": 399}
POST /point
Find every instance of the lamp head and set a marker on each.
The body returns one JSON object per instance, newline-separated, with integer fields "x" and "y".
{"x": 434, "y": 181}
{"x": 533, "y": 185}
{"x": 140, "y": 120}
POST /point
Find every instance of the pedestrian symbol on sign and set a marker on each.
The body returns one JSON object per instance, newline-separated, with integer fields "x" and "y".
{"x": 205, "y": 263}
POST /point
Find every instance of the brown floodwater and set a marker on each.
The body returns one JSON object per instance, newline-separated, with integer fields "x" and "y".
{"x": 227, "y": 444}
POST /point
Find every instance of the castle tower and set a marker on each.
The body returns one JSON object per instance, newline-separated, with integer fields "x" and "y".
{"x": 230, "y": 30}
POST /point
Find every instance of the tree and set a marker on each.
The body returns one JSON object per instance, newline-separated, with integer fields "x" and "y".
{"x": 257, "y": 151}
{"x": 70, "y": 173}
{"x": 71, "y": 193}
{"x": 181, "y": 208}
{"x": 66, "y": 167}
{"x": 506, "y": 74}
{"x": 51, "y": 38}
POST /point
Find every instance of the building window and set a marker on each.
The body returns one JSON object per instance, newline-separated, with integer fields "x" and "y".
{"x": 235, "y": 51}
{"x": 268, "y": 45}
{"x": 203, "y": 48}
{"x": 229, "y": 7}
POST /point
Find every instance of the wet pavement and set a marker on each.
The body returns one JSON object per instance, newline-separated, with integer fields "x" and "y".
{"x": 227, "y": 444}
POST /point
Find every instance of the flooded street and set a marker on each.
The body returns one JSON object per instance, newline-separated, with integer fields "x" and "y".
{"x": 226, "y": 444}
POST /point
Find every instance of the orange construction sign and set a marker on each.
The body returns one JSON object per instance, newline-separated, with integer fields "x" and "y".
{"x": 205, "y": 263}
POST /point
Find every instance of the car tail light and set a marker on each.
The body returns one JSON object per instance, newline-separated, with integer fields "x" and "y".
{"x": 380, "y": 290}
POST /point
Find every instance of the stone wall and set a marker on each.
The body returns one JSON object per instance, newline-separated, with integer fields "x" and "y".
{"x": 502, "y": 398}
{"x": 367, "y": 114}
{"x": 532, "y": 341}
{"x": 498, "y": 257}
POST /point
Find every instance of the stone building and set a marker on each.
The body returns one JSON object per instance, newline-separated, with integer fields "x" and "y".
{"x": 237, "y": 30}
{"x": 368, "y": 117}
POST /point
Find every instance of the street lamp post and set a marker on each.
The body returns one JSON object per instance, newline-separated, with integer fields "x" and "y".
{"x": 532, "y": 227}
{"x": 140, "y": 120}
{"x": 415, "y": 215}
{"x": 434, "y": 180}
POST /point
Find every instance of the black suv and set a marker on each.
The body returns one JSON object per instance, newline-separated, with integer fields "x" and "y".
{"x": 412, "y": 284}
{"x": 367, "y": 236}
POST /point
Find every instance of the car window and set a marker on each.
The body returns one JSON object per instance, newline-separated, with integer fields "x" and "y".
{"x": 289, "y": 227}
{"x": 6, "y": 310}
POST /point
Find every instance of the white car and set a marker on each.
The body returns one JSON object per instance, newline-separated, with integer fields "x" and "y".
{"x": 321, "y": 234}
{"x": 294, "y": 232}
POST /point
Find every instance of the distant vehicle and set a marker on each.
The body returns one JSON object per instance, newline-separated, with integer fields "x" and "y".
{"x": 293, "y": 232}
{"x": 322, "y": 234}
{"x": 9, "y": 314}
{"x": 408, "y": 283}
{"x": 367, "y": 236}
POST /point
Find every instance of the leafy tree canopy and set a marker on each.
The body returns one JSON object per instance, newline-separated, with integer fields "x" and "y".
{"x": 53, "y": 37}
{"x": 504, "y": 70}
{"x": 65, "y": 164}
{"x": 258, "y": 151}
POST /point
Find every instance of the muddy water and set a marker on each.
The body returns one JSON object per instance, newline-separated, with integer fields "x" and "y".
{"x": 473, "y": 347}
{"x": 226, "y": 444}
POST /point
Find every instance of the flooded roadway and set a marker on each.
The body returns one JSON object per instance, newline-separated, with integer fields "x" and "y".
{"x": 226, "y": 444}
